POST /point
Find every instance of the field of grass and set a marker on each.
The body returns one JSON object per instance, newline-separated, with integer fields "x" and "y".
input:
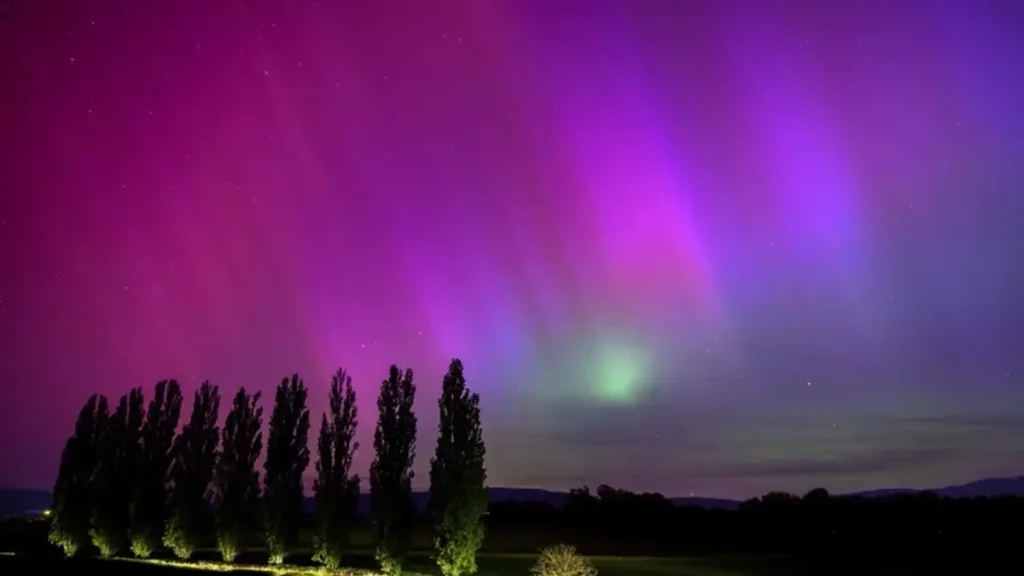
{"x": 489, "y": 565}
{"x": 519, "y": 565}
{"x": 35, "y": 557}
{"x": 1002, "y": 559}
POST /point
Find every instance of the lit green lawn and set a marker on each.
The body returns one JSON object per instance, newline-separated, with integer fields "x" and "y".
{"x": 519, "y": 565}
{"x": 512, "y": 564}
{"x": 498, "y": 565}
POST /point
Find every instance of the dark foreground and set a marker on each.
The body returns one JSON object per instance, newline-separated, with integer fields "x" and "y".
{"x": 519, "y": 565}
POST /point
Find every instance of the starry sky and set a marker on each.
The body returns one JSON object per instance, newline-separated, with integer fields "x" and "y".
{"x": 711, "y": 247}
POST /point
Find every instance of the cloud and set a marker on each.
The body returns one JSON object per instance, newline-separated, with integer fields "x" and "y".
{"x": 872, "y": 462}
{"x": 739, "y": 452}
{"x": 1001, "y": 422}
{"x": 864, "y": 451}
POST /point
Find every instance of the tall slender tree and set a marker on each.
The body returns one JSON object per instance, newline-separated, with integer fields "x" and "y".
{"x": 74, "y": 492}
{"x": 394, "y": 443}
{"x": 149, "y": 507}
{"x": 121, "y": 451}
{"x": 287, "y": 460}
{"x": 194, "y": 455}
{"x": 458, "y": 497}
{"x": 336, "y": 488}
{"x": 237, "y": 481}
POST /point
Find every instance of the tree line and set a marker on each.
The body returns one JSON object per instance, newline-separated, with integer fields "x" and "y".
{"x": 619, "y": 522}
{"x": 130, "y": 481}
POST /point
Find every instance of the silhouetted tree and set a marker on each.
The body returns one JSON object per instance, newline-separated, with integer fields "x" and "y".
{"x": 813, "y": 519}
{"x": 287, "y": 459}
{"x": 121, "y": 452}
{"x": 458, "y": 497}
{"x": 73, "y": 492}
{"x": 394, "y": 443}
{"x": 236, "y": 479}
{"x": 817, "y": 496}
{"x": 149, "y": 508}
{"x": 336, "y": 488}
{"x": 194, "y": 456}
{"x": 581, "y": 505}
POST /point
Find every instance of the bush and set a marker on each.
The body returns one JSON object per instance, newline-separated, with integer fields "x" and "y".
{"x": 388, "y": 562}
{"x": 562, "y": 560}
{"x": 108, "y": 543}
{"x": 63, "y": 541}
{"x": 229, "y": 545}
{"x": 142, "y": 546}
{"x": 179, "y": 540}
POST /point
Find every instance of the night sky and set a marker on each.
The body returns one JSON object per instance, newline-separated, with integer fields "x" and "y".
{"x": 712, "y": 247}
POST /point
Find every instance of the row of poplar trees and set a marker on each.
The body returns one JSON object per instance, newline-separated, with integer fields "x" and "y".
{"x": 127, "y": 480}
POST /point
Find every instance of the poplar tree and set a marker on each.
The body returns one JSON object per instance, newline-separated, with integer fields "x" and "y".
{"x": 149, "y": 507}
{"x": 117, "y": 474}
{"x": 336, "y": 488}
{"x": 74, "y": 492}
{"x": 236, "y": 479}
{"x": 394, "y": 443}
{"x": 194, "y": 456}
{"x": 287, "y": 460}
{"x": 458, "y": 497}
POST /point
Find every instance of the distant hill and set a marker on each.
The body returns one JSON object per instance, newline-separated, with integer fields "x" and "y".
{"x": 1012, "y": 486}
{"x": 990, "y": 487}
{"x": 556, "y": 499}
{"x": 25, "y": 502}
{"x": 884, "y": 492}
{"x": 709, "y": 503}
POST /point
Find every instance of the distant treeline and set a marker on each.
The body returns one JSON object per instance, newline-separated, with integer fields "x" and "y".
{"x": 615, "y": 521}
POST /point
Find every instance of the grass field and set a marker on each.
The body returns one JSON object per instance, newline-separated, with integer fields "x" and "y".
{"x": 519, "y": 564}
{"x": 935, "y": 564}
{"x": 489, "y": 565}
{"x": 509, "y": 564}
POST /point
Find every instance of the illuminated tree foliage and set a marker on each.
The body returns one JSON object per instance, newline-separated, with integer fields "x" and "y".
{"x": 394, "y": 443}
{"x": 73, "y": 492}
{"x": 117, "y": 474}
{"x": 458, "y": 497}
{"x": 236, "y": 479}
{"x": 194, "y": 456}
{"x": 336, "y": 488}
{"x": 287, "y": 459}
{"x": 149, "y": 507}
{"x": 562, "y": 560}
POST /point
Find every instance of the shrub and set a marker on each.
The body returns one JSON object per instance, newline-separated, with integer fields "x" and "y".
{"x": 230, "y": 545}
{"x": 142, "y": 546}
{"x": 388, "y": 562}
{"x": 562, "y": 560}
{"x": 178, "y": 539}
{"x": 107, "y": 543}
{"x": 65, "y": 542}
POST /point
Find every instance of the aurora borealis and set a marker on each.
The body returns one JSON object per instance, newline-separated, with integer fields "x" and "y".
{"x": 713, "y": 247}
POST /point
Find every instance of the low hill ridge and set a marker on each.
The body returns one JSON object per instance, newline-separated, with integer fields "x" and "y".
{"x": 23, "y": 502}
